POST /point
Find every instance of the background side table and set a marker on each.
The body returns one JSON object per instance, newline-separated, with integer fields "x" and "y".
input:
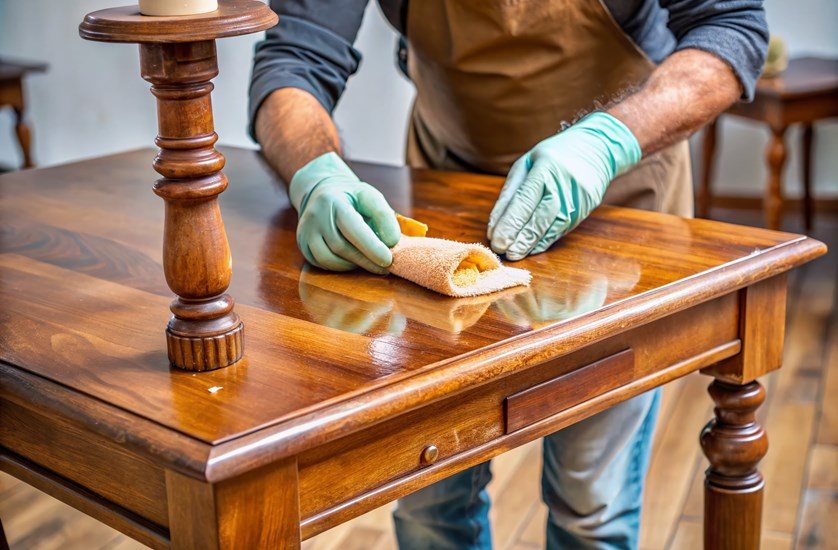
{"x": 11, "y": 95}
{"x": 804, "y": 93}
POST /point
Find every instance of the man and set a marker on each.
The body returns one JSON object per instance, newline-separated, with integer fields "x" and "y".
{"x": 497, "y": 83}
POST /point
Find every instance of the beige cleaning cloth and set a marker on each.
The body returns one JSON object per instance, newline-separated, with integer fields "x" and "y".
{"x": 453, "y": 268}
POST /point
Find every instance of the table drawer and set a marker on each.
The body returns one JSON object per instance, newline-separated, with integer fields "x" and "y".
{"x": 368, "y": 468}
{"x": 556, "y": 395}
{"x": 398, "y": 447}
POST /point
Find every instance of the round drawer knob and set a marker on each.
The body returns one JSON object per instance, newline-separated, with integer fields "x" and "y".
{"x": 430, "y": 454}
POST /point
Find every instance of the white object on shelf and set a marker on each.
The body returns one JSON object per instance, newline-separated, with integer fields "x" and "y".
{"x": 177, "y": 7}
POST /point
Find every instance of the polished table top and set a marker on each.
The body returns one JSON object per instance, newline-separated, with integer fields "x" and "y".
{"x": 13, "y": 69}
{"x": 85, "y": 303}
{"x": 804, "y": 76}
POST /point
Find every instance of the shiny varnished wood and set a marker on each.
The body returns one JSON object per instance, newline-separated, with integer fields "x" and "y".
{"x": 734, "y": 442}
{"x": 800, "y": 469}
{"x": 127, "y": 24}
{"x": 552, "y": 397}
{"x": 257, "y": 510}
{"x": 806, "y": 92}
{"x": 178, "y": 58}
{"x": 353, "y": 376}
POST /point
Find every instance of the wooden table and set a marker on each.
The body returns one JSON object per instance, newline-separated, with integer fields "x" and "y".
{"x": 11, "y": 95}
{"x": 807, "y": 91}
{"x": 349, "y": 381}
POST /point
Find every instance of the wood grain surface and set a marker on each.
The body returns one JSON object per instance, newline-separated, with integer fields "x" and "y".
{"x": 84, "y": 297}
{"x": 799, "y": 469}
{"x": 553, "y": 396}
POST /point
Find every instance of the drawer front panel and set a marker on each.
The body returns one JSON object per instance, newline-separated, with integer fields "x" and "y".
{"x": 560, "y": 393}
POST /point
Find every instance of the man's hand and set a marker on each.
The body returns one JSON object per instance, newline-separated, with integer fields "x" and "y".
{"x": 344, "y": 222}
{"x": 557, "y": 184}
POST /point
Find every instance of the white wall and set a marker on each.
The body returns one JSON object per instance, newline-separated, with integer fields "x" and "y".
{"x": 93, "y": 101}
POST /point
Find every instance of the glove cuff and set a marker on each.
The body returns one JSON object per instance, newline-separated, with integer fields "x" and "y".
{"x": 316, "y": 171}
{"x": 623, "y": 148}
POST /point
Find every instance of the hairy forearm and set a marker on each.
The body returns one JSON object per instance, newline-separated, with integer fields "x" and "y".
{"x": 688, "y": 90}
{"x": 293, "y": 128}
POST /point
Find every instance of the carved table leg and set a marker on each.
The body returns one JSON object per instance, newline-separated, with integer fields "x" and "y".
{"x": 734, "y": 442}
{"x": 259, "y": 509}
{"x": 776, "y": 155}
{"x": 204, "y": 333}
{"x": 708, "y": 154}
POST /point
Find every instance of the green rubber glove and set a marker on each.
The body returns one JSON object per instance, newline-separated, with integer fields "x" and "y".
{"x": 344, "y": 222}
{"x": 557, "y": 184}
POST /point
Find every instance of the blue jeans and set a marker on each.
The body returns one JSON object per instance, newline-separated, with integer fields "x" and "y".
{"x": 592, "y": 483}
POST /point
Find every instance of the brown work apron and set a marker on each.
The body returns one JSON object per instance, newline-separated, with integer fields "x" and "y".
{"x": 495, "y": 77}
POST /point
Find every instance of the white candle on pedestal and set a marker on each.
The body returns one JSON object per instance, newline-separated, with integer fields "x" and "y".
{"x": 177, "y": 7}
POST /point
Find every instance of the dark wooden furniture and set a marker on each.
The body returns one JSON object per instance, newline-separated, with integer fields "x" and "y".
{"x": 355, "y": 389}
{"x": 11, "y": 95}
{"x": 178, "y": 58}
{"x": 807, "y": 91}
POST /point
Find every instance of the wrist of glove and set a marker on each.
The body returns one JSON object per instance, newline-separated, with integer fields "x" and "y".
{"x": 344, "y": 223}
{"x": 558, "y": 183}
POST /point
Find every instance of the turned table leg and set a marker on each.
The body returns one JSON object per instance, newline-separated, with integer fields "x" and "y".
{"x": 24, "y": 138}
{"x": 808, "y": 207}
{"x": 11, "y": 94}
{"x": 708, "y": 154}
{"x": 734, "y": 442}
{"x": 776, "y": 155}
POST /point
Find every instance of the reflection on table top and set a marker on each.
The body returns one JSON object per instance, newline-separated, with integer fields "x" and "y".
{"x": 85, "y": 301}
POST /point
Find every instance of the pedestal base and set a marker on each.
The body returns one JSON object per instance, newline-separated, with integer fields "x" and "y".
{"x": 207, "y": 352}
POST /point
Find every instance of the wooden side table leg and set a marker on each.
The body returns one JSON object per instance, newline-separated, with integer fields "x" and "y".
{"x": 259, "y": 509}
{"x": 734, "y": 442}
{"x": 808, "y": 206}
{"x": 24, "y": 138}
{"x": 776, "y": 155}
{"x": 708, "y": 153}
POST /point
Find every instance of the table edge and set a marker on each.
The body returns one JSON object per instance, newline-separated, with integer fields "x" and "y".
{"x": 354, "y": 411}
{"x": 163, "y": 445}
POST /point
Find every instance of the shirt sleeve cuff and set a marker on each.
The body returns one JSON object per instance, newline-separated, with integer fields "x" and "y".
{"x": 301, "y": 54}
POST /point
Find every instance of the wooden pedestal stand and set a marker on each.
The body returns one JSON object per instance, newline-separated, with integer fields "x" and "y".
{"x": 177, "y": 56}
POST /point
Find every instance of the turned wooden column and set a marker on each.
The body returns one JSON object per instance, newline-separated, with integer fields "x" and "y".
{"x": 734, "y": 442}
{"x": 178, "y": 58}
{"x": 204, "y": 331}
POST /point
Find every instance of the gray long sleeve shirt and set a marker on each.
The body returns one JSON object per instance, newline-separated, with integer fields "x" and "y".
{"x": 312, "y": 46}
